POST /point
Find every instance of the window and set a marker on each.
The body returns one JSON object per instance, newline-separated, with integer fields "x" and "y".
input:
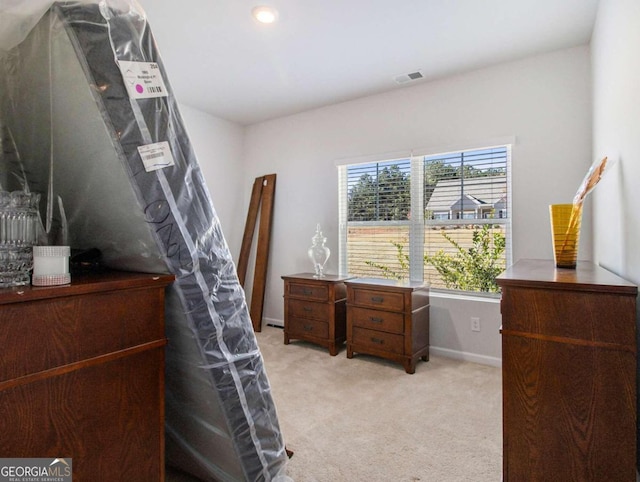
{"x": 378, "y": 212}
{"x": 440, "y": 218}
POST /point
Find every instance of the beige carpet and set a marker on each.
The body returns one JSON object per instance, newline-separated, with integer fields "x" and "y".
{"x": 365, "y": 419}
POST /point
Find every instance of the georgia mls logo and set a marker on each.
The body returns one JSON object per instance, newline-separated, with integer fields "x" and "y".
{"x": 63, "y": 468}
{"x": 35, "y": 470}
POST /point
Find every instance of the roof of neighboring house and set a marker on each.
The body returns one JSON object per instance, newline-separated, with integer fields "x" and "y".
{"x": 478, "y": 191}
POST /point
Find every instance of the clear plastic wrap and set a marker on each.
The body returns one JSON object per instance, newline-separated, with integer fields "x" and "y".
{"x": 124, "y": 167}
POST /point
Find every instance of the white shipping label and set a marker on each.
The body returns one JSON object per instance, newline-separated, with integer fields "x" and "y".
{"x": 142, "y": 79}
{"x": 156, "y": 156}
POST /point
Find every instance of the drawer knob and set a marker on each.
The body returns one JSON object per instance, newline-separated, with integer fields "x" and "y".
{"x": 377, "y": 340}
{"x": 377, "y": 299}
{"x": 307, "y": 308}
{"x": 307, "y": 328}
{"x": 375, "y": 319}
{"x": 307, "y": 291}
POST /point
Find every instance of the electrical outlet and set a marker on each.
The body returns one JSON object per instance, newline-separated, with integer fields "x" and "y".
{"x": 475, "y": 324}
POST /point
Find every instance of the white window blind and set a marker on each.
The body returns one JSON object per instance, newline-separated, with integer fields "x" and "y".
{"x": 419, "y": 218}
{"x": 376, "y": 214}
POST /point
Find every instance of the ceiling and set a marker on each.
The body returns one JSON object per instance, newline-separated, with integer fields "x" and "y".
{"x": 221, "y": 61}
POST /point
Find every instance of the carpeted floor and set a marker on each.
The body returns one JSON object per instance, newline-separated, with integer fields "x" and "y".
{"x": 365, "y": 419}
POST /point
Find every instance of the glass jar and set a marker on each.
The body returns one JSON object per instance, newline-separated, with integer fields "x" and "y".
{"x": 18, "y": 234}
{"x": 318, "y": 253}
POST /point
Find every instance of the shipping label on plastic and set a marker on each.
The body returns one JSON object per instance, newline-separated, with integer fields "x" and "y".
{"x": 142, "y": 79}
{"x": 156, "y": 156}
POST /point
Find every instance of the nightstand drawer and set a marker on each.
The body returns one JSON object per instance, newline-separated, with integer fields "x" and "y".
{"x": 309, "y": 310}
{"x": 378, "y": 340}
{"x": 300, "y": 326}
{"x": 316, "y": 292}
{"x": 377, "y": 320}
{"x": 379, "y": 300}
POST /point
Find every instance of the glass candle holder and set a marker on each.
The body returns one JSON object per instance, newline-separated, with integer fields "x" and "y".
{"x": 51, "y": 265}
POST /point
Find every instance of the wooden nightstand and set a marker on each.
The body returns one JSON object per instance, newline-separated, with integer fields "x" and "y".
{"x": 314, "y": 310}
{"x": 388, "y": 319}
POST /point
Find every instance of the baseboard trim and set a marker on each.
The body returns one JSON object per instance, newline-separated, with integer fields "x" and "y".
{"x": 445, "y": 352}
{"x": 273, "y": 322}
{"x": 466, "y": 356}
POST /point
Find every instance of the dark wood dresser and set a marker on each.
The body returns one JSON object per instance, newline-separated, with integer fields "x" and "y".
{"x": 569, "y": 373}
{"x": 314, "y": 310}
{"x": 82, "y": 374}
{"x": 389, "y": 319}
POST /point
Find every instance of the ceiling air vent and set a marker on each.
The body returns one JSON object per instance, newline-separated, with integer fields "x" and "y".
{"x": 411, "y": 76}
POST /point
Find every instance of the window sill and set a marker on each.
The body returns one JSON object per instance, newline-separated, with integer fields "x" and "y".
{"x": 465, "y": 295}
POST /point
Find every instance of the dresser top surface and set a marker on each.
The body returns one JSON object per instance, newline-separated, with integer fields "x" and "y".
{"x": 585, "y": 277}
{"x": 86, "y": 283}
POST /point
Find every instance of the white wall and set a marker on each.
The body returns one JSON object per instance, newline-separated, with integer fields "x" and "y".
{"x": 218, "y": 146}
{"x": 616, "y": 133}
{"x": 543, "y": 101}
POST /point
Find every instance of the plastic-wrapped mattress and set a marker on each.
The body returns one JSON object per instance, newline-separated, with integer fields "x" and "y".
{"x": 87, "y": 99}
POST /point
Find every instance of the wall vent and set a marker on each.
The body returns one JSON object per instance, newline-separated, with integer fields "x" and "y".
{"x": 411, "y": 76}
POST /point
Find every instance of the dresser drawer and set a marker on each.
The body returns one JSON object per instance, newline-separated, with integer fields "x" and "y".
{"x": 378, "y": 340}
{"x": 377, "y": 319}
{"x": 526, "y": 310}
{"x": 316, "y": 292}
{"x": 49, "y": 333}
{"x": 380, "y": 300}
{"x": 304, "y": 327}
{"x": 308, "y": 309}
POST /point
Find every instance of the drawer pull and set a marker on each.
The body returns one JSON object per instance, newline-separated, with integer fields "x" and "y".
{"x": 377, "y": 340}
{"x": 307, "y": 308}
{"x": 307, "y": 291}
{"x": 307, "y": 328}
{"x": 377, "y": 299}
{"x": 375, "y": 319}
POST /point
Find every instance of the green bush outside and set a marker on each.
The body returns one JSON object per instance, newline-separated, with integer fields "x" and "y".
{"x": 466, "y": 268}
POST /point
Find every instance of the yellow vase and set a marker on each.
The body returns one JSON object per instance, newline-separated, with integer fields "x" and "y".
{"x": 565, "y": 230}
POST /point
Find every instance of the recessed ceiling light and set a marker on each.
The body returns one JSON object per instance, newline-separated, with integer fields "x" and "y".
{"x": 265, "y": 14}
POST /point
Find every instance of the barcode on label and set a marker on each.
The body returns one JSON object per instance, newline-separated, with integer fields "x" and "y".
{"x": 153, "y": 155}
{"x": 156, "y": 156}
{"x": 155, "y": 90}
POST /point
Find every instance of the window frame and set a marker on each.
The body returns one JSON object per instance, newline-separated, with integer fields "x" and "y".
{"x": 417, "y": 224}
